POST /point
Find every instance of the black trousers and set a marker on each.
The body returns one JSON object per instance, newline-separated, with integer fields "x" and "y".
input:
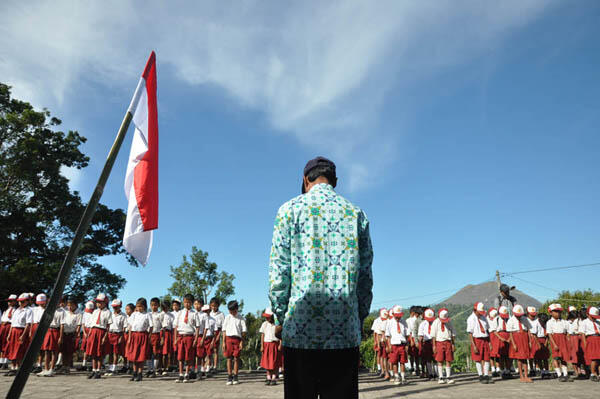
{"x": 321, "y": 373}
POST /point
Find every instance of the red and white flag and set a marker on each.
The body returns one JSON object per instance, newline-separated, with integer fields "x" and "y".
{"x": 141, "y": 180}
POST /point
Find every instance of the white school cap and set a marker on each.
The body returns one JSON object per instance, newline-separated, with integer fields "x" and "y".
{"x": 479, "y": 307}
{"x": 41, "y": 298}
{"x": 503, "y": 312}
{"x": 101, "y": 297}
{"x": 593, "y": 312}
{"x": 23, "y": 297}
{"x": 89, "y": 305}
{"x": 555, "y": 307}
{"x": 398, "y": 311}
{"x": 532, "y": 310}
{"x": 518, "y": 310}
{"x": 572, "y": 308}
{"x": 493, "y": 312}
{"x": 205, "y": 308}
{"x": 116, "y": 303}
{"x": 12, "y": 297}
{"x": 429, "y": 314}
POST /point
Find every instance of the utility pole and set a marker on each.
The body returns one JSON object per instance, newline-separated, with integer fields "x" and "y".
{"x": 498, "y": 278}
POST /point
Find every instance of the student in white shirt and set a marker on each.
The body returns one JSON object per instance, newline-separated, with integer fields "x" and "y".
{"x": 518, "y": 327}
{"x": 379, "y": 343}
{"x": 52, "y": 342}
{"x": 71, "y": 330}
{"x": 154, "y": 363}
{"x": 167, "y": 336}
{"x": 219, "y": 319}
{"x": 426, "y": 341}
{"x": 442, "y": 334}
{"x": 116, "y": 337}
{"x": 5, "y": 328}
{"x": 270, "y": 346}
{"x": 138, "y": 345}
{"x": 502, "y": 337}
{"x": 494, "y": 355}
{"x": 98, "y": 336}
{"x": 209, "y": 341}
{"x": 234, "y": 331}
{"x": 186, "y": 337}
{"x": 590, "y": 330}
{"x": 533, "y": 329}
{"x": 557, "y": 329}
{"x": 175, "y": 309}
{"x": 201, "y": 318}
{"x": 129, "y": 310}
{"x": 478, "y": 330}
{"x": 575, "y": 343}
{"x": 397, "y": 334}
{"x": 37, "y": 312}
{"x": 18, "y": 335}
{"x": 412, "y": 346}
{"x": 542, "y": 353}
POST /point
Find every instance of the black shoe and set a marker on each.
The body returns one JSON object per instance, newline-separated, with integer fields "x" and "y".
{"x": 133, "y": 377}
{"x": 193, "y": 375}
{"x": 489, "y": 379}
{"x": 229, "y": 379}
{"x": 273, "y": 382}
{"x": 267, "y": 382}
{"x": 482, "y": 379}
{"x": 594, "y": 378}
{"x": 11, "y": 373}
{"x": 97, "y": 375}
{"x": 139, "y": 377}
{"x": 91, "y": 375}
{"x": 562, "y": 379}
{"x": 235, "y": 379}
{"x": 179, "y": 379}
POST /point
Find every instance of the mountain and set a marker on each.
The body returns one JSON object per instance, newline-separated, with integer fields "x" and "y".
{"x": 487, "y": 293}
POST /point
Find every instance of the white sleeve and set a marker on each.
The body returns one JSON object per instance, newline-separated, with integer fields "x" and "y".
{"x": 244, "y": 330}
{"x": 470, "y": 324}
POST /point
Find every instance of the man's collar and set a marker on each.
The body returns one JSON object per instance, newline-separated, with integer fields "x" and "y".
{"x": 322, "y": 186}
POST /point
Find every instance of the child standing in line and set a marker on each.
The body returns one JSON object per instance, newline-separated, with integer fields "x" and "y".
{"x": 200, "y": 353}
{"x": 397, "y": 335}
{"x": 590, "y": 328}
{"x": 426, "y": 342}
{"x": 379, "y": 342}
{"x": 542, "y": 354}
{"x": 575, "y": 348}
{"x": 219, "y": 320}
{"x": 52, "y": 342}
{"x": 97, "y": 340}
{"x": 129, "y": 309}
{"x": 269, "y": 347}
{"x": 176, "y": 308}
{"x": 71, "y": 330}
{"x": 37, "y": 312}
{"x": 518, "y": 326}
{"x": 478, "y": 330}
{"x": 18, "y": 335}
{"x": 534, "y": 326}
{"x": 492, "y": 319}
{"x": 413, "y": 352}
{"x": 557, "y": 329}
{"x": 442, "y": 334}
{"x": 209, "y": 342}
{"x": 186, "y": 336}
{"x": 502, "y": 340}
{"x": 5, "y": 321}
{"x": 234, "y": 331}
{"x": 86, "y": 322}
{"x": 138, "y": 344}
{"x": 116, "y": 340}
{"x": 167, "y": 336}
{"x": 375, "y": 327}
{"x": 154, "y": 360}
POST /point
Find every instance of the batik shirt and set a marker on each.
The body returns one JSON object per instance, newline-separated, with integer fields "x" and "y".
{"x": 320, "y": 270}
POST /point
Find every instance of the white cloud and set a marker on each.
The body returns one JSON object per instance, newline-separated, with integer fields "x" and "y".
{"x": 319, "y": 70}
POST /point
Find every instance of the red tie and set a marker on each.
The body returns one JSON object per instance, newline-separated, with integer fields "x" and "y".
{"x": 185, "y": 319}
{"x": 504, "y": 324}
{"x": 443, "y": 328}
{"x": 99, "y": 314}
{"x": 429, "y": 328}
{"x": 520, "y": 326}
{"x": 481, "y": 326}
{"x": 398, "y": 326}
{"x": 596, "y": 327}
{"x": 10, "y": 313}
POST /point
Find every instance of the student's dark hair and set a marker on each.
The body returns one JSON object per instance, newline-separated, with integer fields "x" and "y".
{"x": 155, "y": 300}
{"x": 326, "y": 171}
{"x": 142, "y": 301}
{"x": 543, "y": 318}
{"x": 166, "y": 305}
{"x": 189, "y": 297}
{"x": 130, "y": 306}
{"x": 233, "y": 305}
{"x": 573, "y": 314}
{"x": 70, "y": 299}
{"x": 215, "y": 300}
{"x": 200, "y": 300}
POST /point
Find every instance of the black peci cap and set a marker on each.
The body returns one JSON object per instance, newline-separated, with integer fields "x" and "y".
{"x": 313, "y": 163}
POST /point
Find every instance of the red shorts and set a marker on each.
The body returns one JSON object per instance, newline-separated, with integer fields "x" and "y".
{"x": 167, "y": 347}
{"x": 232, "y": 347}
{"x": 116, "y": 347}
{"x": 443, "y": 351}
{"x": 94, "y": 346}
{"x": 502, "y": 345}
{"x": 592, "y": 349}
{"x": 68, "y": 345}
{"x": 382, "y": 350}
{"x": 185, "y": 348}
{"x": 426, "y": 350}
{"x": 270, "y": 356}
{"x": 483, "y": 349}
{"x": 200, "y": 351}
{"x": 398, "y": 354}
{"x": 208, "y": 346}
{"x": 138, "y": 347}
{"x": 15, "y": 350}
{"x": 51, "y": 340}
{"x": 521, "y": 340}
{"x": 155, "y": 346}
{"x": 83, "y": 343}
{"x": 561, "y": 350}
{"x": 4, "y": 329}
{"x": 413, "y": 351}
{"x": 576, "y": 347}
{"x": 541, "y": 351}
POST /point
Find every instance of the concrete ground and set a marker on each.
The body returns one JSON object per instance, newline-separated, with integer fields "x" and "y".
{"x": 252, "y": 386}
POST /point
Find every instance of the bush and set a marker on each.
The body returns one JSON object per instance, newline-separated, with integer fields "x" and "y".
{"x": 367, "y": 354}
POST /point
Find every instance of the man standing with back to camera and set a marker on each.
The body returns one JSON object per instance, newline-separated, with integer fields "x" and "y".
{"x": 320, "y": 286}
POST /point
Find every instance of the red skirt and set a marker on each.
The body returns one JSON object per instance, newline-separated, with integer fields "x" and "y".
{"x": 208, "y": 346}
{"x": 576, "y": 348}
{"x": 561, "y": 350}
{"x": 116, "y": 347}
{"x": 200, "y": 351}
{"x": 83, "y": 343}
{"x": 16, "y": 350}
{"x": 270, "y": 356}
{"x": 155, "y": 346}
{"x": 483, "y": 349}
{"x": 34, "y": 328}
{"x": 138, "y": 347}
{"x": 232, "y": 347}
{"x": 382, "y": 350}
{"x": 68, "y": 345}
{"x": 4, "y": 329}
{"x": 426, "y": 350}
{"x": 592, "y": 349}
{"x": 185, "y": 348}
{"x": 443, "y": 351}
{"x": 51, "y": 340}
{"x": 94, "y": 346}
{"x": 167, "y": 347}
{"x": 494, "y": 341}
{"x": 542, "y": 352}
{"x": 521, "y": 340}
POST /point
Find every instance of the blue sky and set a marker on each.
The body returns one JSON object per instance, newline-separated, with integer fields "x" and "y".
{"x": 467, "y": 131}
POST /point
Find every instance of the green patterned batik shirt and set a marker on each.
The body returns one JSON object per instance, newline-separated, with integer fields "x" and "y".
{"x": 320, "y": 270}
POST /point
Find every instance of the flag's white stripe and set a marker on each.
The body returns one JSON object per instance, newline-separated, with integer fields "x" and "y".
{"x": 137, "y": 241}
{"x": 141, "y": 88}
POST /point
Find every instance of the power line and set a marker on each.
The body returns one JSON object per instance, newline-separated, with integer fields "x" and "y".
{"x": 531, "y": 282}
{"x": 548, "y": 269}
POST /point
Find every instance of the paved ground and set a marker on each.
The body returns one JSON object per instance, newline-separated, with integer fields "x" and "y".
{"x": 251, "y": 386}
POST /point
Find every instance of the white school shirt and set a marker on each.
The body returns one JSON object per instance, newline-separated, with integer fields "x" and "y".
{"x": 425, "y": 330}
{"x": 473, "y": 326}
{"x": 501, "y": 324}
{"x": 201, "y": 320}
{"x": 573, "y": 326}
{"x": 438, "y": 334}
{"x": 140, "y": 322}
{"x": 557, "y": 326}
{"x": 86, "y": 319}
{"x": 534, "y": 326}
{"x": 234, "y": 326}
{"x": 167, "y": 322}
{"x": 7, "y": 315}
{"x": 58, "y": 319}
{"x": 269, "y": 330}
{"x": 513, "y": 324}
{"x": 72, "y": 320}
{"x": 100, "y": 322}
{"x": 157, "y": 320}
{"x": 492, "y": 324}
{"x": 377, "y": 326}
{"x": 587, "y": 327}
{"x": 119, "y": 322}
{"x": 411, "y": 323}
{"x": 211, "y": 326}
{"x": 191, "y": 325}
{"x": 37, "y": 313}
{"x": 391, "y": 331}
{"x": 219, "y": 319}
{"x": 21, "y": 317}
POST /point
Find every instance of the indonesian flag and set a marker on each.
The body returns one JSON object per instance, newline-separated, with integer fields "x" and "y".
{"x": 141, "y": 181}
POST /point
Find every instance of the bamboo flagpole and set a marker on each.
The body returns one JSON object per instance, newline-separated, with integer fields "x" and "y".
{"x": 65, "y": 270}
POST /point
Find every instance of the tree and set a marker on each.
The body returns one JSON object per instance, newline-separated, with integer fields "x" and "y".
{"x": 578, "y": 299}
{"x": 39, "y": 213}
{"x": 201, "y": 278}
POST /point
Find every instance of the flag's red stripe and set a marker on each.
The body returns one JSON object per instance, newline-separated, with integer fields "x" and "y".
{"x": 145, "y": 175}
